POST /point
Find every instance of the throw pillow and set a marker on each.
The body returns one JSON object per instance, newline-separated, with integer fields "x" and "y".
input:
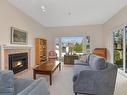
{"x": 6, "y": 83}
{"x": 98, "y": 63}
{"x": 84, "y": 58}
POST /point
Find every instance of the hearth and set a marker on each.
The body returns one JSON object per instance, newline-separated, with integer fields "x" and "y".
{"x": 18, "y": 62}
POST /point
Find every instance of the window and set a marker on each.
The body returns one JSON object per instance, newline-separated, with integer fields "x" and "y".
{"x": 120, "y": 48}
{"x": 72, "y": 45}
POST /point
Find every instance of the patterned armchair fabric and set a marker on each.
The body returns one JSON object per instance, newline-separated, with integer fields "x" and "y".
{"x": 52, "y": 55}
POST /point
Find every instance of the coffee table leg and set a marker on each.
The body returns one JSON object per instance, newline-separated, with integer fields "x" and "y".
{"x": 50, "y": 76}
{"x": 34, "y": 75}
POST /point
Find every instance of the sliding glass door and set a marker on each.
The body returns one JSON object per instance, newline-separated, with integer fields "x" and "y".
{"x": 120, "y": 48}
{"x": 125, "y": 49}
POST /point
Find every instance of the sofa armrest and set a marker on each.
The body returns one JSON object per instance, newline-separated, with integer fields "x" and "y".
{"x": 6, "y": 82}
{"x": 107, "y": 79}
{"x": 38, "y": 87}
{"x": 100, "y": 81}
{"x": 85, "y": 82}
{"x": 79, "y": 62}
{"x": 107, "y": 76}
{"x": 99, "y": 75}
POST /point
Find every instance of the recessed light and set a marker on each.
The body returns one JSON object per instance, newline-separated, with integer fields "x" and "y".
{"x": 43, "y": 7}
{"x": 43, "y": 10}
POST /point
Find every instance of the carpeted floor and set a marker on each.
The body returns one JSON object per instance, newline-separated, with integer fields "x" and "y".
{"x": 62, "y": 81}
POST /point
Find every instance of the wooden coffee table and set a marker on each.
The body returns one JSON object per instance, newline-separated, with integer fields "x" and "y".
{"x": 47, "y": 69}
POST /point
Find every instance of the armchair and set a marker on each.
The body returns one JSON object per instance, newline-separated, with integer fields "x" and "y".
{"x": 52, "y": 56}
{"x": 9, "y": 86}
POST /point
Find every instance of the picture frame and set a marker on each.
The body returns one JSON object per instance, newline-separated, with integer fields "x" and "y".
{"x": 19, "y": 36}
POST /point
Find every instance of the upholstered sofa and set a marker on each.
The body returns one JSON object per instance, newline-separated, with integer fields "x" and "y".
{"x": 96, "y": 76}
{"x": 9, "y": 86}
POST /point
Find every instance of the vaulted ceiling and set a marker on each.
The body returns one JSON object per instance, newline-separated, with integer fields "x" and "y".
{"x": 69, "y": 12}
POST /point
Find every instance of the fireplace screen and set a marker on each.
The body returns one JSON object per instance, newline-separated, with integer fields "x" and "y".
{"x": 18, "y": 62}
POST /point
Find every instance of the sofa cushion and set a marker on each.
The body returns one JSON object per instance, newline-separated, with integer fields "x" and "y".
{"x": 6, "y": 83}
{"x": 78, "y": 69}
{"x": 97, "y": 62}
{"x": 21, "y": 84}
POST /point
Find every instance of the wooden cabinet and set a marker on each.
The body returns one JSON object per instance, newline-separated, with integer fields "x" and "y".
{"x": 69, "y": 59}
{"x": 100, "y": 52}
{"x": 40, "y": 50}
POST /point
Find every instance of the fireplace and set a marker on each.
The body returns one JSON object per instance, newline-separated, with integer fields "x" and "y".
{"x": 18, "y": 62}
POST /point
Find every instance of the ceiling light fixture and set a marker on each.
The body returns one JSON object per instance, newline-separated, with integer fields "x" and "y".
{"x": 43, "y": 8}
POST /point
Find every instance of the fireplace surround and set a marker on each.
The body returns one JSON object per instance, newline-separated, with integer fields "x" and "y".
{"x": 18, "y": 62}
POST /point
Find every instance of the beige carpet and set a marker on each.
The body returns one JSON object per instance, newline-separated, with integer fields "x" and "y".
{"x": 62, "y": 81}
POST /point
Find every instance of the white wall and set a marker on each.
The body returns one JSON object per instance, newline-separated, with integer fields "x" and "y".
{"x": 94, "y": 31}
{"x": 12, "y": 17}
{"x": 118, "y": 20}
{"x": 101, "y": 35}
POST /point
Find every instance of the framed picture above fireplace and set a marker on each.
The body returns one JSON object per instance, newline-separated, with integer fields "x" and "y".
{"x": 19, "y": 36}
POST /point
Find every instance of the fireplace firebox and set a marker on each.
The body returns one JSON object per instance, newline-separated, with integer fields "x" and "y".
{"x": 18, "y": 62}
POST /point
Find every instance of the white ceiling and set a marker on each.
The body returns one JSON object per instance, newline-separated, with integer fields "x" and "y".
{"x": 70, "y": 12}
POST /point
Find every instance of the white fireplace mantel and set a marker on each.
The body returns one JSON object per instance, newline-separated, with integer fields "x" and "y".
{"x": 11, "y": 47}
